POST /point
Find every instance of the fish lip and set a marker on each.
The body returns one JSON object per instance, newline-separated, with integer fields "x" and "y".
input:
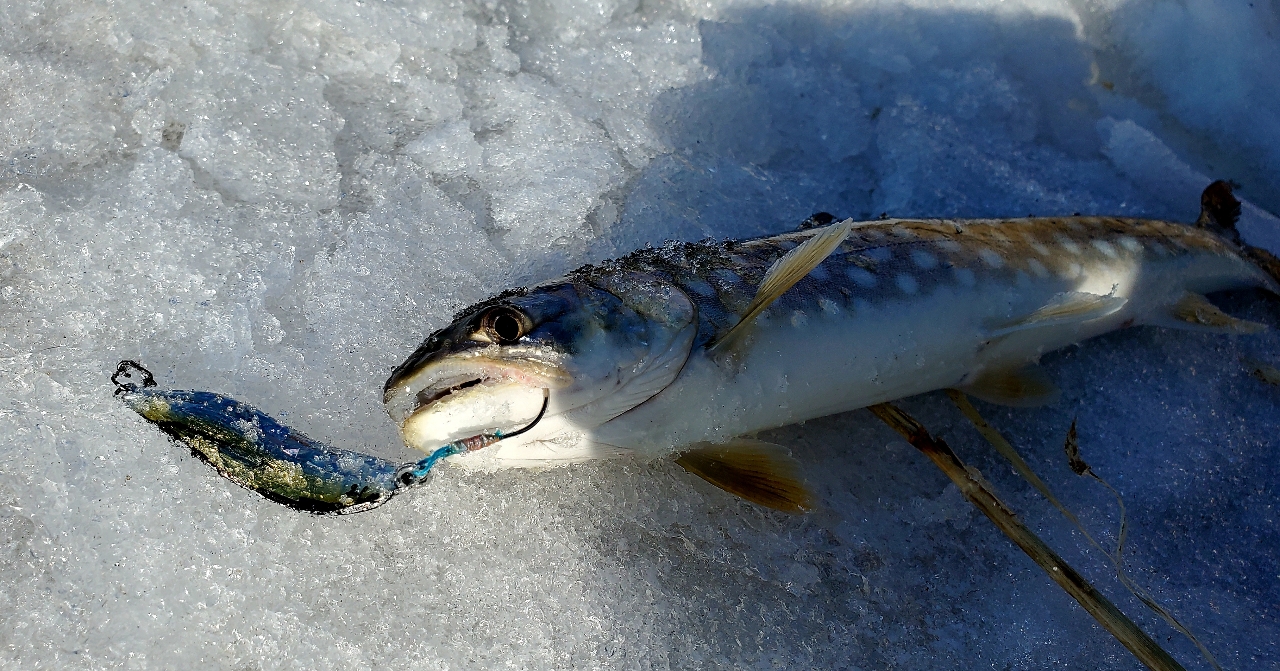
{"x": 431, "y": 384}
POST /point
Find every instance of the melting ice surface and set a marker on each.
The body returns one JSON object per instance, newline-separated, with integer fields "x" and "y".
{"x": 279, "y": 200}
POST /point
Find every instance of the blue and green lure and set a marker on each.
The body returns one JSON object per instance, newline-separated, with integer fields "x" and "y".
{"x": 258, "y": 453}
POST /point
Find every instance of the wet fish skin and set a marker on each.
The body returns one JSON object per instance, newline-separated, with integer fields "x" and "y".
{"x": 909, "y": 306}
{"x": 599, "y": 346}
{"x": 901, "y": 307}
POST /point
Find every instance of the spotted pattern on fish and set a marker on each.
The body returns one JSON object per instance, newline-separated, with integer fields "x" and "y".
{"x": 895, "y": 260}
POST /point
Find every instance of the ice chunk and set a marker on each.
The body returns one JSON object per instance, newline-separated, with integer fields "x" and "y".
{"x": 541, "y": 164}
{"x": 449, "y": 151}
{"x": 50, "y": 122}
{"x": 1211, "y": 64}
{"x": 272, "y": 140}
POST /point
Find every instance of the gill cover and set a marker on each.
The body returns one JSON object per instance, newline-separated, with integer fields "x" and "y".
{"x": 665, "y": 323}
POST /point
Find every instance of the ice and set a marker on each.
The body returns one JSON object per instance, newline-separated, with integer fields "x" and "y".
{"x": 1210, "y": 62}
{"x": 279, "y": 200}
{"x": 1142, "y": 157}
{"x": 73, "y": 132}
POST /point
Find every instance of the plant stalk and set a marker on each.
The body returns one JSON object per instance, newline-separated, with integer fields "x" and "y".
{"x": 980, "y": 494}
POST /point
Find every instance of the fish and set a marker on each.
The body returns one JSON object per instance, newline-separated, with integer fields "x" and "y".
{"x": 689, "y": 349}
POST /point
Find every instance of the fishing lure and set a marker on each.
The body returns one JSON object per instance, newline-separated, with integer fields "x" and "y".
{"x": 255, "y": 451}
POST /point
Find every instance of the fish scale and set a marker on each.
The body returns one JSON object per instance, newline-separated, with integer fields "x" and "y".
{"x": 916, "y": 304}
{"x": 879, "y": 257}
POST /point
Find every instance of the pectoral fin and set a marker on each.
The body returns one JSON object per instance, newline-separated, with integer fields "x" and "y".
{"x": 782, "y": 275}
{"x": 757, "y": 471}
{"x": 1195, "y": 313}
{"x": 1025, "y": 386}
{"x": 1068, "y": 306}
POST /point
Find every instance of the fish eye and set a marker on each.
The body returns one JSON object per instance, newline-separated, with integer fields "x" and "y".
{"x": 503, "y": 325}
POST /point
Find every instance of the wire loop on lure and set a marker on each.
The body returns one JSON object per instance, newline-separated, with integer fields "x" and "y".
{"x": 124, "y": 371}
{"x": 415, "y": 474}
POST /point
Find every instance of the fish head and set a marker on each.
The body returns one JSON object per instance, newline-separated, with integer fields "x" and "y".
{"x": 567, "y": 356}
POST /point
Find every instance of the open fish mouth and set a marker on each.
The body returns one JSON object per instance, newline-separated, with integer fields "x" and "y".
{"x": 429, "y": 396}
{"x": 451, "y": 399}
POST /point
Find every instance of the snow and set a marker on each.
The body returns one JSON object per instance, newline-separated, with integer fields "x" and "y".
{"x": 278, "y": 200}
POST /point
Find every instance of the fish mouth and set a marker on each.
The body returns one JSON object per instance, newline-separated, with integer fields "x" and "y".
{"x": 455, "y": 398}
{"x": 428, "y": 396}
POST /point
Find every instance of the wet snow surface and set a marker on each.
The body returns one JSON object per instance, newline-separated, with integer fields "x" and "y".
{"x": 279, "y": 200}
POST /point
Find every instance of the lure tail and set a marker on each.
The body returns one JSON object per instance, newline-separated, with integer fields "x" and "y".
{"x": 253, "y": 450}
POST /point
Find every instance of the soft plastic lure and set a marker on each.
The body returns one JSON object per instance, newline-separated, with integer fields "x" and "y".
{"x": 256, "y": 452}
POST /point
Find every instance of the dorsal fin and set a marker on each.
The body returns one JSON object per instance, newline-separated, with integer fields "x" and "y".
{"x": 1194, "y": 312}
{"x": 1068, "y": 306}
{"x": 1023, "y": 386}
{"x": 760, "y": 472}
{"x": 783, "y": 274}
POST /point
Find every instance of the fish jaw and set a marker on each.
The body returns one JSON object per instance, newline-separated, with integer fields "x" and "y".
{"x": 553, "y": 441}
{"x": 463, "y": 396}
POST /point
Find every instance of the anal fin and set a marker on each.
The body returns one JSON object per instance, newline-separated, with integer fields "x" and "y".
{"x": 1194, "y": 312}
{"x": 1025, "y": 386}
{"x": 760, "y": 472}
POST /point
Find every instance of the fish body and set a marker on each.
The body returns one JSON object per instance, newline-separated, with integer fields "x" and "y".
{"x": 907, "y": 307}
{"x": 630, "y": 349}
